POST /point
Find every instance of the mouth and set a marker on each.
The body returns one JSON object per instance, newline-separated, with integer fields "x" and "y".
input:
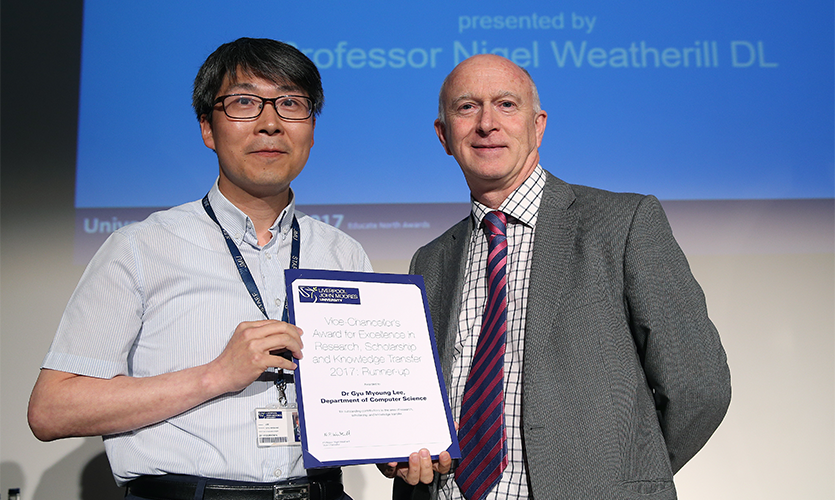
{"x": 268, "y": 152}
{"x": 487, "y": 147}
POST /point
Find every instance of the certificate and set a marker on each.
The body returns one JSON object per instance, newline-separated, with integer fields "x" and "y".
{"x": 369, "y": 385}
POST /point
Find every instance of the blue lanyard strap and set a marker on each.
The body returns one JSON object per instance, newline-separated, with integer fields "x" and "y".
{"x": 243, "y": 269}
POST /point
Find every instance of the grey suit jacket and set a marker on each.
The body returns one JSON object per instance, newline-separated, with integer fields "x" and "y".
{"x": 624, "y": 376}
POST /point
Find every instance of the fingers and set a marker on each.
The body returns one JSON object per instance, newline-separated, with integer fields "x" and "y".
{"x": 274, "y": 338}
{"x": 427, "y": 472}
{"x": 254, "y": 347}
{"x": 444, "y": 463}
{"x": 412, "y": 474}
{"x": 420, "y": 468}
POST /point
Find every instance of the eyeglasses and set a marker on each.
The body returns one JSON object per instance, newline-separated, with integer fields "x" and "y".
{"x": 250, "y": 106}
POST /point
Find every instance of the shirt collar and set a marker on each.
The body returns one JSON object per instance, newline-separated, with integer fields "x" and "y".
{"x": 522, "y": 204}
{"x": 239, "y": 226}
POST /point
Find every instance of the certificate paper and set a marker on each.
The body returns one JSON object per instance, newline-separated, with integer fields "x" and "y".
{"x": 369, "y": 384}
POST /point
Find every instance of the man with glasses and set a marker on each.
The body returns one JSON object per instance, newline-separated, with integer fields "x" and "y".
{"x": 175, "y": 346}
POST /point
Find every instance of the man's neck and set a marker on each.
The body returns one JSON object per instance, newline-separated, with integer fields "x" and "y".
{"x": 493, "y": 196}
{"x": 261, "y": 210}
{"x": 492, "y": 193}
{"x": 491, "y": 199}
{"x": 262, "y": 218}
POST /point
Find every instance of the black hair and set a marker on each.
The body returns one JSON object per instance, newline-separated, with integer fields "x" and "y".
{"x": 264, "y": 58}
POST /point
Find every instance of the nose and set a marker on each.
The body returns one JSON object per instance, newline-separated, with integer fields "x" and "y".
{"x": 486, "y": 120}
{"x": 269, "y": 122}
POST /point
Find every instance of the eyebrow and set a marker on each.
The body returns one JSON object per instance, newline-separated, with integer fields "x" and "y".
{"x": 501, "y": 95}
{"x": 246, "y": 86}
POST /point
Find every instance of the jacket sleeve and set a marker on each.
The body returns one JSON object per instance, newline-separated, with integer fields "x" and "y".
{"x": 683, "y": 359}
{"x": 401, "y": 490}
{"x": 404, "y": 491}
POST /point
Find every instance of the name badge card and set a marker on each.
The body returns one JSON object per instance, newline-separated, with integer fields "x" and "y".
{"x": 369, "y": 385}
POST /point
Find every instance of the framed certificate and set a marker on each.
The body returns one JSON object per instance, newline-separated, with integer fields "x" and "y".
{"x": 369, "y": 385}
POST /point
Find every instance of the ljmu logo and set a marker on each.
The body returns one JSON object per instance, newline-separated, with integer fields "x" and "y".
{"x": 308, "y": 293}
{"x": 330, "y": 295}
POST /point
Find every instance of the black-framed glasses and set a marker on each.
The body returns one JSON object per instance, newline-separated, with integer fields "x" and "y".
{"x": 250, "y": 106}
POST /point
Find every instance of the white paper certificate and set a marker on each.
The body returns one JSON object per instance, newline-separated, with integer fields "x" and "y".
{"x": 369, "y": 385}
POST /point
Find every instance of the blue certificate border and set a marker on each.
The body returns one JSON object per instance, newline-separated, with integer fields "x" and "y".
{"x": 291, "y": 275}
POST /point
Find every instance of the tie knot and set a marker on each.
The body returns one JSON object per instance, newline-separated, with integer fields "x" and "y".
{"x": 495, "y": 223}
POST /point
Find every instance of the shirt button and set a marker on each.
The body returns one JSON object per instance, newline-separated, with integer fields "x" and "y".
{"x": 277, "y": 473}
{"x": 269, "y": 256}
{"x": 278, "y": 302}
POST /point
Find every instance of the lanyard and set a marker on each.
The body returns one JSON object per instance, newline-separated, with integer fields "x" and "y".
{"x": 252, "y": 288}
{"x": 243, "y": 269}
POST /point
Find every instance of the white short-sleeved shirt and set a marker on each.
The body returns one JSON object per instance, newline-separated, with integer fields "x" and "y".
{"x": 163, "y": 295}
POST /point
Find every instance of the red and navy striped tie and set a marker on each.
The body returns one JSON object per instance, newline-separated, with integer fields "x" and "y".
{"x": 481, "y": 431}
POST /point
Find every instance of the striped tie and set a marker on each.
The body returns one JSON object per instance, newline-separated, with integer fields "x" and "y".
{"x": 481, "y": 430}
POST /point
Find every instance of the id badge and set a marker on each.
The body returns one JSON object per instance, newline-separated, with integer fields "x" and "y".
{"x": 277, "y": 427}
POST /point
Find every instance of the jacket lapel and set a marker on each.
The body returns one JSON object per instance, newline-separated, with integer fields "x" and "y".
{"x": 554, "y": 236}
{"x": 448, "y": 301}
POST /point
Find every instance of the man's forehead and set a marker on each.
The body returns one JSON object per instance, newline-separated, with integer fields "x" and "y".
{"x": 486, "y": 81}
{"x": 489, "y": 63}
{"x": 250, "y": 82}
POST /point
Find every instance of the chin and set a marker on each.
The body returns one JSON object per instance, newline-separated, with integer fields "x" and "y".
{"x": 489, "y": 172}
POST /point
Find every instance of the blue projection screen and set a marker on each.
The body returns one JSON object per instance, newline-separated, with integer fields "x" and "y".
{"x": 698, "y": 101}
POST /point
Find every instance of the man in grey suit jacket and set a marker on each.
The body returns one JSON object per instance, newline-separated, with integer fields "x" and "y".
{"x": 614, "y": 376}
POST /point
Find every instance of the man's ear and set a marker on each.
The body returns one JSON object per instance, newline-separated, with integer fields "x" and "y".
{"x": 440, "y": 129}
{"x": 206, "y": 132}
{"x": 540, "y": 121}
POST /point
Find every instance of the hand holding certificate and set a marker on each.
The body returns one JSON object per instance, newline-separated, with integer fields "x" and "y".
{"x": 369, "y": 385}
